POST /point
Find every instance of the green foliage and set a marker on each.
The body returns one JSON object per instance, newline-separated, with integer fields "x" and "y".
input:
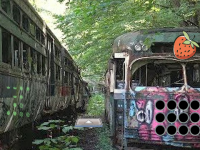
{"x": 63, "y": 142}
{"x": 90, "y": 27}
{"x": 96, "y": 105}
{"x": 104, "y": 142}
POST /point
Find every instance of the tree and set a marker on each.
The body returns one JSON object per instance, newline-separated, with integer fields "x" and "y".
{"x": 90, "y": 27}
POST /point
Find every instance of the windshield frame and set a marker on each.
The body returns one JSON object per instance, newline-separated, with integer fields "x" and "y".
{"x": 137, "y": 63}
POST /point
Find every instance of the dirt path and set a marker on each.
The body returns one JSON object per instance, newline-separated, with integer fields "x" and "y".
{"x": 88, "y": 139}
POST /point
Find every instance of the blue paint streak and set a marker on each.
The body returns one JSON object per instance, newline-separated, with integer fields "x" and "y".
{"x": 169, "y": 141}
{"x": 170, "y": 89}
{"x": 140, "y": 88}
{"x": 132, "y": 108}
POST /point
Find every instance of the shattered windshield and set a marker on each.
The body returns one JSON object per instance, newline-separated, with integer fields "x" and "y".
{"x": 165, "y": 73}
{"x": 193, "y": 74}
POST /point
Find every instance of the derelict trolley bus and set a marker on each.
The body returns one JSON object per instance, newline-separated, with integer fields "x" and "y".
{"x": 152, "y": 96}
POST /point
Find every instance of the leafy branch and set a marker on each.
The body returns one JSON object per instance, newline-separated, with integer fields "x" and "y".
{"x": 62, "y": 142}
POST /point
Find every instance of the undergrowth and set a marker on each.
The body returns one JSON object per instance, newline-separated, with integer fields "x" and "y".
{"x": 104, "y": 142}
{"x": 96, "y": 108}
{"x": 96, "y": 105}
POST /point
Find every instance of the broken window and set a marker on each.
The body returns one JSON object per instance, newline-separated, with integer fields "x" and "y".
{"x": 25, "y": 22}
{"x": 193, "y": 74}
{"x": 39, "y": 64}
{"x": 43, "y": 65}
{"x": 5, "y": 4}
{"x": 57, "y": 72}
{"x": 66, "y": 61}
{"x": 32, "y": 28}
{"x": 57, "y": 52}
{"x": 16, "y": 14}
{"x": 25, "y": 56}
{"x": 66, "y": 74}
{"x": 17, "y": 57}
{"x": 33, "y": 61}
{"x": 120, "y": 73}
{"x": 43, "y": 39}
{"x": 38, "y": 34}
{"x": 160, "y": 73}
{"x": 6, "y": 47}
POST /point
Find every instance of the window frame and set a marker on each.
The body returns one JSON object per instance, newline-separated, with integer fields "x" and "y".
{"x": 20, "y": 13}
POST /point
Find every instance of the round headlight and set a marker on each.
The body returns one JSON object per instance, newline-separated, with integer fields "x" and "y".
{"x": 144, "y": 48}
{"x": 138, "y": 47}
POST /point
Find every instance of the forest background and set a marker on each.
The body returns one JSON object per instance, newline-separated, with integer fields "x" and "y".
{"x": 89, "y": 27}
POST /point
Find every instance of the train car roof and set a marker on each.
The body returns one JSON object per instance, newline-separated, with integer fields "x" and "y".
{"x": 127, "y": 40}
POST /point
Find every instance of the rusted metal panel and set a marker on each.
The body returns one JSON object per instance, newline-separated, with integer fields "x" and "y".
{"x": 128, "y": 40}
{"x": 22, "y": 104}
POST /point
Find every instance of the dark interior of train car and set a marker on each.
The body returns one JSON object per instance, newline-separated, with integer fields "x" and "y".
{"x": 6, "y": 48}
{"x": 166, "y": 75}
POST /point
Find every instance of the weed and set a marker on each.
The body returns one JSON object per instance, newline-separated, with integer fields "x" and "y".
{"x": 96, "y": 105}
{"x": 61, "y": 142}
{"x": 104, "y": 142}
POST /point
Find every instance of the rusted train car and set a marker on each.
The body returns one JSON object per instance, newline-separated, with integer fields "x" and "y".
{"x": 152, "y": 96}
{"x": 37, "y": 74}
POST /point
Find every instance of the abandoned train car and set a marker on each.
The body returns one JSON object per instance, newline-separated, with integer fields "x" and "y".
{"x": 37, "y": 74}
{"x": 152, "y": 96}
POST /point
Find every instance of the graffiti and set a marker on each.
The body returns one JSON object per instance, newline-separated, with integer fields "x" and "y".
{"x": 142, "y": 115}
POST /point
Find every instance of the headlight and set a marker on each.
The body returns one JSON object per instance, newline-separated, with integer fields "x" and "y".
{"x": 144, "y": 48}
{"x": 138, "y": 47}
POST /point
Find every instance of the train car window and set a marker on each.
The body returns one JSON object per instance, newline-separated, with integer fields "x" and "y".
{"x": 158, "y": 74}
{"x": 120, "y": 73}
{"x": 38, "y": 34}
{"x": 66, "y": 77}
{"x": 57, "y": 72}
{"x": 6, "y": 47}
{"x": 25, "y": 56}
{"x": 32, "y": 28}
{"x": 16, "y": 14}
{"x": 5, "y": 4}
{"x": 66, "y": 61}
{"x": 17, "y": 52}
{"x": 43, "y": 38}
{"x": 39, "y": 63}
{"x": 193, "y": 74}
{"x": 33, "y": 62}
{"x": 43, "y": 65}
{"x": 56, "y": 51}
{"x": 25, "y": 22}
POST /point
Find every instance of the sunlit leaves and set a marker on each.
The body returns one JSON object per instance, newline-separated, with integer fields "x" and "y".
{"x": 90, "y": 27}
